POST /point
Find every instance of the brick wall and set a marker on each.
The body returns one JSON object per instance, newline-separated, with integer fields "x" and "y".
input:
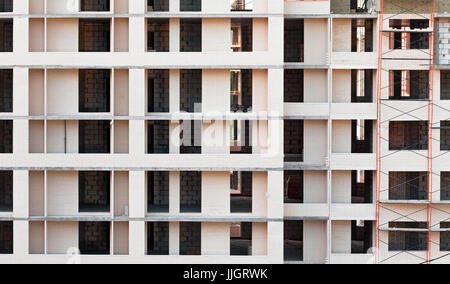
{"x": 190, "y": 238}
{"x": 6, "y": 5}
{"x": 6, "y": 191}
{"x": 293, "y": 186}
{"x": 6, "y": 90}
{"x": 94, "y": 191}
{"x": 94, "y": 5}
{"x": 190, "y": 191}
{"x": 158, "y": 238}
{"x": 294, "y": 40}
{"x": 158, "y": 5}
{"x": 191, "y": 90}
{"x": 94, "y": 136}
{"x": 6, "y": 35}
{"x": 190, "y": 5}
{"x": 94, "y": 35}
{"x": 6, "y": 238}
{"x": 94, "y": 90}
{"x": 445, "y": 186}
{"x": 191, "y": 35}
{"x": 408, "y": 135}
{"x": 293, "y": 86}
{"x": 94, "y": 238}
{"x": 158, "y": 90}
{"x": 158, "y": 35}
{"x": 293, "y": 140}
{"x": 6, "y": 136}
{"x": 408, "y": 186}
{"x": 158, "y": 188}
{"x": 158, "y": 137}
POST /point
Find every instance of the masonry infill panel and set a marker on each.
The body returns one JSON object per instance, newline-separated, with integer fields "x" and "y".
{"x": 6, "y": 6}
{"x": 158, "y": 192}
{"x": 6, "y": 136}
{"x": 190, "y": 238}
{"x": 241, "y": 184}
{"x": 293, "y": 240}
{"x": 362, "y": 42}
{"x": 362, "y": 237}
{"x": 94, "y": 35}
{"x": 158, "y": 238}
{"x": 158, "y": 137}
{"x": 190, "y": 192}
{"x": 94, "y": 191}
{"x": 6, "y": 90}
{"x": 445, "y": 84}
{"x": 94, "y": 238}
{"x": 158, "y": 5}
{"x": 190, "y": 5}
{"x": 408, "y": 240}
{"x": 158, "y": 90}
{"x": 362, "y": 187}
{"x": 408, "y": 186}
{"x": 362, "y": 86}
{"x": 293, "y": 86}
{"x": 241, "y": 238}
{"x": 191, "y": 137}
{"x": 444, "y": 244}
{"x": 409, "y": 85}
{"x": 293, "y": 187}
{"x": 191, "y": 90}
{"x": 445, "y": 135}
{"x": 6, "y": 191}
{"x": 6, "y": 35}
{"x": 363, "y": 144}
{"x": 94, "y": 137}
{"x": 94, "y": 5}
{"x": 94, "y": 90}
{"x": 158, "y": 35}
{"x": 293, "y": 140}
{"x": 190, "y": 35}
{"x": 408, "y": 135}
{"x": 6, "y": 237}
{"x": 294, "y": 40}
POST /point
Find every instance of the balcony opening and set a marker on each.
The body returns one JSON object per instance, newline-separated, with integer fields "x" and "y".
{"x": 293, "y": 187}
{"x": 293, "y": 240}
{"x": 158, "y": 5}
{"x": 190, "y": 238}
{"x": 241, "y": 5}
{"x": 6, "y": 237}
{"x": 408, "y": 36}
{"x": 94, "y": 6}
{"x": 6, "y": 35}
{"x": 361, "y": 237}
{"x": 408, "y": 135}
{"x": 191, "y": 137}
{"x": 6, "y": 90}
{"x": 241, "y": 137}
{"x": 408, "y": 240}
{"x": 158, "y": 192}
{"x": 190, "y": 5}
{"x": 409, "y": 85}
{"x": 6, "y": 191}
{"x": 408, "y": 186}
{"x": 158, "y": 238}
{"x": 445, "y": 186}
{"x": 444, "y": 244}
{"x": 190, "y": 35}
{"x": 191, "y": 90}
{"x": 445, "y": 84}
{"x": 6, "y": 136}
{"x": 94, "y": 137}
{"x": 445, "y": 135}
{"x": 94, "y": 191}
{"x": 241, "y": 238}
{"x": 362, "y": 35}
{"x": 6, "y": 6}
{"x": 242, "y": 35}
{"x": 293, "y": 86}
{"x": 362, "y": 86}
{"x": 158, "y": 35}
{"x": 94, "y": 35}
{"x": 241, "y": 191}
{"x": 241, "y": 96}
{"x": 360, "y": 6}
{"x": 294, "y": 39}
{"x": 191, "y": 192}
{"x": 293, "y": 140}
{"x": 362, "y": 133}
{"x": 362, "y": 187}
{"x": 94, "y": 90}
{"x": 158, "y": 90}
{"x": 158, "y": 137}
{"x": 94, "y": 238}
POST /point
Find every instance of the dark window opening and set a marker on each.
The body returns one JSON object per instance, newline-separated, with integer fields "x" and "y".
{"x": 293, "y": 186}
{"x": 359, "y": 6}
{"x": 444, "y": 244}
{"x": 241, "y": 90}
{"x": 191, "y": 90}
{"x": 362, "y": 187}
{"x": 445, "y": 84}
{"x": 94, "y": 238}
{"x": 190, "y": 238}
{"x": 293, "y": 140}
{"x": 362, "y": 35}
{"x": 293, "y": 240}
{"x": 362, "y": 133}
{"x": 6, "y": 237}
{"x": 413, "y": 24}
{"x": 190, "y": 5}
{"x": 191, "y": 192}
{"x": 408, "y": 135}
{"x": 6, "y": 191}
{"x": 6, "y": 36}
{"x": 158, "y": 192}
{"x": 294, "y": 39}
{"x": 6, "y": 136}
{"x": 241, "y": 191}
{"x": 6, "y": 6}
{"x": 158, "y": 238}
{"x": 158, "y": 90}
{"x": 94, "y": 5}
{"x": 242, "y": 5}
{"x": 408, "y": 186}
{"x": 445, "y": 135}
{"x": 241, "y": 137}
{"x": 94, "y": 191}
{"x": 158, "y": 5}
{"x": 409, "y": 85}
{"x": 6, "y": 90}
{"x": 242, "y": 35}
{"x": 241, "y": 238}
{"x": 361, "y": 237}
{"x": 158, "y": 35}
{"x": 191, "y": 137}
{"x": 408, "y": 240}
{"x": 158, "y": 137}
{"x": 362, "y": 86}
{"x": 94, "y": 90}
{"x": 94, "y": 137}
{"x": 293, "y": 86}
{"x": 445, "y": 186}
{"x": 190, "y": 35}
{"x": 94, "y": 35}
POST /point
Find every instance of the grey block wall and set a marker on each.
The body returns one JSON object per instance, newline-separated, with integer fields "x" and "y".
{"x": 6, "y": 35}
{"x": 158, "y": 35}
{"x": 294, "y": 40}
{"x": 158, "y": 5}
{"x": 293, "y": 86}
{"x": 158, "y": 238}
{"x": 190, "y": 35}
{"x": 191, "y": 191}
{"x": 408, "y": 186}
{"x": 6, "y": 136}
{"x": 95, "y": 5}
{"x": 6, "y": 6}
{"x": 94, "y": 238}
{"x": 94, "y": 136}
{"x": 158, "y": 188}
{"x": 190, "y": 5}
{"x": 6, "y": 90}
{"x": 158, "y": 137}
{"x": 6, "y": 237}
{"x": 190, "y": 238}
{"x": 293, "y": 140}
{"x": 94, "y": 191}
{"x": 158, "y": 90}
{"x": 94, "y": 35}
{"x": 408, "y": 135}
{"x": 94, "y": 90}
{"x": 191, "y": 90}
{"x": 443, "y": 44}
{"x": 6, "y": 191}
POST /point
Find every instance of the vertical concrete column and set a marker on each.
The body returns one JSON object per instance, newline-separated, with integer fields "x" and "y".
{"x": 20, "y": 194}
{"x": 174, "y": 90}
{"x": 137, "y": 27}
{"x": 138, "y": 198}
{"x": 20, "y": 107}
{"x": 216, "y": 193}
{"x": 20, "y": 239}
{"x": 20, "y": 26}
{"x": 275, "y": 109}
{"x": 275, "y": 242}
{"x": 174, "y": 6}
{"x": 259, "y": 239}
{"x": 174, "y": 238}
{"x": 138, "y": 242}
{"x": 275, "y": 200}
{"x": 137, "y": 106}
{"x": 276, "y": 37}
{"x": 174, "y": 35}
{"x": 174, "y": 193}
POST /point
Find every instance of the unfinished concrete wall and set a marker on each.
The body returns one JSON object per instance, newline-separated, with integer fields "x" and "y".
{"x": 94, "y": 35}
{"x": 6, "y": 35}
{"x": 190, "y": 238}
{"x": 190, "y": 5}
{"x": 293, "y": 86}
{"x": 6, "y": 6}
{"x": 408, "y": 186}
{"x": 94, "y": 191}
{"x": 158, "y": 191}
{"x": 293, "y": 140}
{"x": 158, "y": 238}
{"x": 408, "y": 135}
{"x": 294, "y": 40}
{"x": 190, "y": 35}
{"x": 94, "y": 238}
{"x": 6, "y": 136}
{"x": 94, "y": 136}
{"x": 158, "y": 90}
{"x": 158, "y": 137}
{"x": 6, "y": 191}
{"x": 191, "y": 90}
{"x": 6, "y": 90}
{"x": 158, "y": 35}
{"x": 158, "y": 5}
{"x": 95, "y": 5}
{"x": 94, "y": 90}
{"x": 190, "y": 192}
{"x": 6, "y": 237}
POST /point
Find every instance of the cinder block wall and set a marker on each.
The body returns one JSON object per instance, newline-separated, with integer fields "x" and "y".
{"x": 6, "y": 190}
{"x": 191, "y": 90}
{"x": 190, "y": 238}
{"x": 94, "y": 5}
{"x": 6, "y": 136}
{"x": 94, "y": 90}
{"x": 191, "y": 188}
{"x": 158, "y": 100}
{"x": 294, "y": 40}
{"x": 159, "y": 232}
{"x": 94, "y": 36}
{"x": 94, "y": 189}
{"x": 160, "y": 29}
{"x": 158, "y": 137}
{"x": 6, "y": 92}
{"x": 94, "y": 237}
{"x": 94, "y": 136}
{"x": 159, "y": 181}
{"x": 6, "y": 35}
{"x": 191, "y": 35}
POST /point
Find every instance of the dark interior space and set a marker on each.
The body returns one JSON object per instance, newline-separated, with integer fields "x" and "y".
{"x": 94, "y": 90}
{"x": 191, "y": 192}
{"x": 6, "y": 237}
{"x": 190, "y": 238}
{"x": 241, "y": 5}
{"x": 191, "y": 137}
{"x": 190, "y": 5}
{"x": 158, "y": 238}
{"x": 408, "y": 135}
{"x": 409, "y": 85}
{"x": 158, "y": 5}
{"x": 6, "y": 6}
{"x": 241, "y": 90}
{"x": 6, "y": 35}
{"x": 445, "y": 84}
{"x": 362, "y": 136}
{"x": 362, "y": 86}
{"x": 445, "y": 186}
{"x": 362, "y": 35}
{"x": 94, "y": 191}
{"x": 241, "y": 137}
{"x": 294, "y": 39}
{"x": 241, "y": 187}
{"x": 293, "y": 86}
{"x": 6, "y": 191}
{"x": 293, "y": 240}
{"x": 408, "y": 240}
{"x": 94, "y": 238}
{"x": 293, "y": 140}
{"x": 293, "y": 187}
{"x": 94, "y": 137}
{"x": 158, "y": 137}
{"x": 190, "y": 35}
{"x": 6, "y": 136}
{"x": 444, "y": 244}
{"x": 94, "y": 5}
{"x": 408, "y": 186}
{"x": 358, "y": 7}
{"x": 242, "y": 35}
{"x": 158, "y": 192}
{"x": 158, "y": 35}
{"x": 191, "y": 90}
{"x": 94, "y": 35}
{"x": 361, "y": 237}
{"x": 158, "y": 90}
{"x": 241, "y": 238}
{"x": 362, "y": 187}
{"x": 6, "y": 90}
{"x": 445, "y": 135}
